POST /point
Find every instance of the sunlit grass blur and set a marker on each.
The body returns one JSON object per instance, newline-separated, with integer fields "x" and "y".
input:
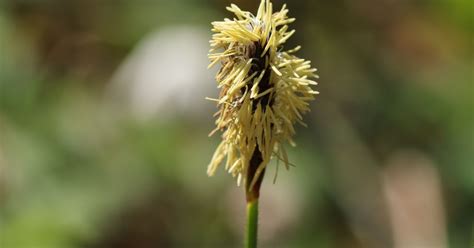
{"x": 103, "y": 128}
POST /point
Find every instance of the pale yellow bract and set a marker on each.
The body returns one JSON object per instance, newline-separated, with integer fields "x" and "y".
{"x": 264, "y": 89}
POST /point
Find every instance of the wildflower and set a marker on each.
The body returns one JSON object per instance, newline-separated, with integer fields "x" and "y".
{"x": 264, "y": 91}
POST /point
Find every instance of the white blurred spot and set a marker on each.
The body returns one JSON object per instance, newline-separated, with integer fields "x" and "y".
{"x": 413, "y": 190}
{"x": 166, "y": 74}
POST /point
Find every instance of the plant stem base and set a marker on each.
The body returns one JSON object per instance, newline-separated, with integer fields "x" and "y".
{"x": 252, "y": 224}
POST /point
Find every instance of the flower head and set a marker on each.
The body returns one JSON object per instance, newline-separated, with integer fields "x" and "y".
{"x": 264, "y": 90}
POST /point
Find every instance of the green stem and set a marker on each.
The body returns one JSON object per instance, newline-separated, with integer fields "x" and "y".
{"x": 252, "y": 224}
{"x": 252, "y": 194}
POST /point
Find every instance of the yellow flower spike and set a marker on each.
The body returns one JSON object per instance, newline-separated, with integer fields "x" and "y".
{"x": 265, "y": 90}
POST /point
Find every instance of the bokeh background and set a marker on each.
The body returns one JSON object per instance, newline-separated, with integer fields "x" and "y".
{"x": 103, "y": 127}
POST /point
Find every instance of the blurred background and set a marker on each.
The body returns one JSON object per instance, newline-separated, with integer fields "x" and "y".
{"x": 103, "y": 127}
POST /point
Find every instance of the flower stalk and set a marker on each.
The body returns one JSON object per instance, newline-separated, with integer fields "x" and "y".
{"x": 252, "y": 193}
{"x": 252, "y": 224}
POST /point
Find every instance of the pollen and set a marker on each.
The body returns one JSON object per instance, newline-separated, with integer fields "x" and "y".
{"x": 264, "y": 90}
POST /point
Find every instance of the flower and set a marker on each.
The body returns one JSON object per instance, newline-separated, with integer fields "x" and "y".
{"x": 264, "y": 90}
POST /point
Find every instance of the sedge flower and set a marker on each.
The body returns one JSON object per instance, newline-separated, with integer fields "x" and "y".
{"x": 264, "y": 91}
